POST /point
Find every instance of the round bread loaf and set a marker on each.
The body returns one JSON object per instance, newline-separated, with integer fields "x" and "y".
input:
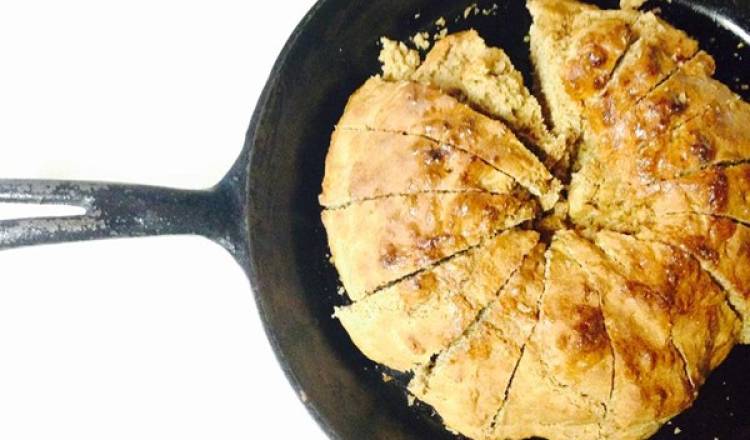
{"x": 525, "y": 308}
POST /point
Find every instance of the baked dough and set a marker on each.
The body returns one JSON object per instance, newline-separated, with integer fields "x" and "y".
{"x": 597, "y": 39}
{"x": 357, "y": 169}
{"x": 564, "y": 377}
{"x": 650, "y": 383}
{"x": 717, "y": 136}
{"x": 519, "y": 311}
{"x": 703, "y": 326}
{"x": 461, "y": 64}
{"x": 468, "y": 382}
{"x": 669, "y": 152}
{"x": 379, "y": 241}
{"x": 417, "y": 109}
{"x": 404, "y": 325}
{"x": 721, "y": 246}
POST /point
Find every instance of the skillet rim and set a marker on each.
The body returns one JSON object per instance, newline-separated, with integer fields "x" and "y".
{"x": 245, "y": 163}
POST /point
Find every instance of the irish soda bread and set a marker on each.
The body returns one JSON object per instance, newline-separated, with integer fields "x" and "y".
{"x": 521, "y": 307}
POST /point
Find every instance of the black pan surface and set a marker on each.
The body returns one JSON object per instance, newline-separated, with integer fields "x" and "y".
{"x": 333, "y": 51}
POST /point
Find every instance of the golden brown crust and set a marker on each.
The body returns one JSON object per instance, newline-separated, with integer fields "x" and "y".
{"x": 598, "y": 43}
{"x": 574, "y": 48}
{"x": 379, "y": 241}
{"x": 404, "y": 325}
{"x": 704, "y": 327}
{"x": 716, "y": 191}
{"x": 721, "y": 246}
{"x": 602, "y": 335}
{"x": 635, "y": 121}
{"x": 718, "y": 135}
{"x": 628, "y": 206}
{"x": 461, "y": 64}
{"x": 650, "y": 380}
{"x": 563, "y": 381}
{"x": 684, "y": 95}
{"x": 425, "y": 111}
{"x": 658, "y": 51}
{"x": 468, "y": 382}
{"x": 549, "y": 37}
{"x": 611, "y": 187}
{"x": 359, "y": 166}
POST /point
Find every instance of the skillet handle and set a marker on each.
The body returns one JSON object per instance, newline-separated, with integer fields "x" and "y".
{"x": 118, "y": 210}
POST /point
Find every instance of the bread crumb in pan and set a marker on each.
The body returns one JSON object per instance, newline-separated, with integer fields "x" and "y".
{"x": 421, "y": 40}
{"x": 471, "y": 9}
{"x": 398, "y": 60}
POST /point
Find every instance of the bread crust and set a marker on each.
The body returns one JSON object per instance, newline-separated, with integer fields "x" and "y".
{"x": 357, "y": 168}
{"x": 606, "y": 322}
{"x": 564, "y": 379}
{"x": 404, "y": 325}
{"x": 376, "y": 242}
{"x": 417, "y": 109}
{"x": 468, "y": 382}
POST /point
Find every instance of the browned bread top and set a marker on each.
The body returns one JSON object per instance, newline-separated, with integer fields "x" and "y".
{"x": 417, "y": 109}
{"x": 376, "y": 242}
{"x": 604, "y": 322}
{"x": 357, "y": 168}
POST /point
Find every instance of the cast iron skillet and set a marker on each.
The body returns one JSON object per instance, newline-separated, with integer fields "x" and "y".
{"x": 265, "y": 211}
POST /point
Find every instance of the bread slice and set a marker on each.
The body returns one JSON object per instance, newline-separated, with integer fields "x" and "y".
{"x": 467, "y": 384}
{"x": 716, "y": 191}
{"x": 550, "y": 38}
{"x": 404, "y": 325}
{"x": 575, "y": 43}
{"x": 461, "y": 64}
{"x": 718, "y": 136}
{"x": 599, "y": 40}
{"x": 659, "y": 50}
{"x": 417, "y": 109}
{"x": 721, "y": 246}
{"x": 363, "y": 165}
{"x": 379, "y": 241}
{"x": 610, "y": 184}
{"x": 651, "y": 384}
{"x": 564, "y": 379}
{"x": 601, "y": 362}
{"x": 704, "y": 327}
{"x": 682, "y": 96}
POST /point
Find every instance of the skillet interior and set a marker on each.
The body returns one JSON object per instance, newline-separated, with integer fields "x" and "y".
{"x": 332, "y": 52}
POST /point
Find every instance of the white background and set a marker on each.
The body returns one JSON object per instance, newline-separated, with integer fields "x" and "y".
{"x": 151, "y": 338}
